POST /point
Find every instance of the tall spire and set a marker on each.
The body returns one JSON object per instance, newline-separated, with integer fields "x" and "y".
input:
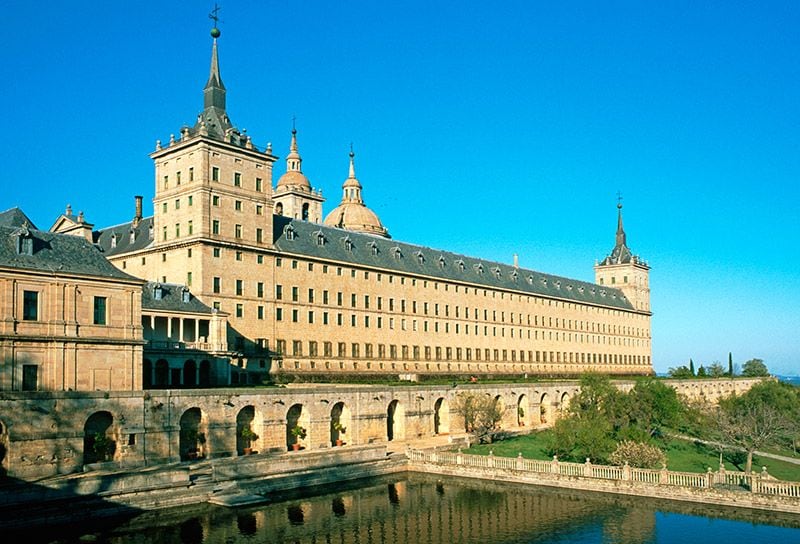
{"x": 352, "y": 163}
{"x": 293, "y": 159}
{"x": 213, "y": 120}
{"x": 214, "y": 91}
{"x": 620, "y": 231}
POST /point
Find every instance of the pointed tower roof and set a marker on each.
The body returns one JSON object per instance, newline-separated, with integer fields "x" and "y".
{"x": 352, "y": 213}
{"x": 621, "y": 254}
{"x": 214, "y": 119}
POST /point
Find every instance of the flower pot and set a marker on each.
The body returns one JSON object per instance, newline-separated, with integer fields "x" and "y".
{"x": 295, "y": 447}
{"x": 339, "y": 442}
{"x": 247, "y": 451}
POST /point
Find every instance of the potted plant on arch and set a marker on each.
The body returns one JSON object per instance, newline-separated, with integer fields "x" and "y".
{"x": 248, "y": 435}
{"x": 299, "y": 434}
{"x": 521, "y": 415}
{"x": 543, "y": 413}
{"x": 102, "y": 446}
{"x": 341, "y": 429}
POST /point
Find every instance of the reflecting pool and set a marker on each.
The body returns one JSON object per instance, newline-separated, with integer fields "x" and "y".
{"x": 417, "y": 509}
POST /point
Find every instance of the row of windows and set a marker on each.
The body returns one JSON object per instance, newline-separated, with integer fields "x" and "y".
{"x": 258, "y": 184}
{"x": 30, "y": 308}
{"x": 354, "y": 351}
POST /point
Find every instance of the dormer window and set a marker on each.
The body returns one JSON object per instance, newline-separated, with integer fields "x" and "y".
{"x": 530, "y": 280}
{"x": 24, "y": 240}
{"x": 544, "y": 282}
{"x": 289, "y": 232}
{"x": 460, "y": 264}
{"x": 603, "y": 293}
{"x": 114, "y": 240}
{"x": 514, "y": 275}
{"x": 496, "y": 272}
{"x": 150, "y": 232}
{"x": 158, "y": 292}
{"x": 581, "y": 290}
{"x": 441, "y": 261}
{"x": 186, "y": 295}
{"x": 478, "y": 268}
{"x": 420, "y": 257}
{"x": 348, "y": 244}
{"x": 373, "y": 247}
{"x": 132, "y": 236}
{"x": 557, "y": 284}
{"x": 320, "y": 237}
{"x": 397, "y": 252}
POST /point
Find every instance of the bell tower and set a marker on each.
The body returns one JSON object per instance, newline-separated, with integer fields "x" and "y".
{"x": 624, "y": 270}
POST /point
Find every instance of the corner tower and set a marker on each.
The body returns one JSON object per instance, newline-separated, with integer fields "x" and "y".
{"x": 212, "y": 182}
{"x": 625, "y": 271}
{"x": 294, "y": 196}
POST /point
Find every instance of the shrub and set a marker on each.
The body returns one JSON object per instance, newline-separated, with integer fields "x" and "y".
{"x": 638, "y": 454}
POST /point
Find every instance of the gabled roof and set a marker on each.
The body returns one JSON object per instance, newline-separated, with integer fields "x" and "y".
{"x": 56, "y": 254}
{"x": 141, "y": 238}
{"x": 326, "y": 243}
{"x": 172, "y": 299}
{"x": 15, "y": 217}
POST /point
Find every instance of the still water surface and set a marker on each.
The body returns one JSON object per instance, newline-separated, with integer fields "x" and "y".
{"x": 418, "y": 509}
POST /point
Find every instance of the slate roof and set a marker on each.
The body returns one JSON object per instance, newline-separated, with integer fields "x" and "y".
{"x": 302, "y": 238}
{"x": 171, "y": 299}
{"x": 103, "y": 237}
{"x": 15, "y": 217}
{"x": 57, "y": 253}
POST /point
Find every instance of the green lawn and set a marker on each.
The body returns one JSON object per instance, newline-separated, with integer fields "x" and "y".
{"x": 682, "y": 455}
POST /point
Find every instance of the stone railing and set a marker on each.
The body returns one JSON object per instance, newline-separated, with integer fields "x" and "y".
{"x": 756, "y": 483}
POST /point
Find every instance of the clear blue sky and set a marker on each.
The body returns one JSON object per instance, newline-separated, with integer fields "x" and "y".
{"x": 483, "y": 128}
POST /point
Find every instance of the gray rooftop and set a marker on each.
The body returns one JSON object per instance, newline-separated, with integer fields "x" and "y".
{"x": 54, "y": 253}
{"x": 326, "y": 243}
{"x": 140, "y": 239}
{"x": 172, "y": 299}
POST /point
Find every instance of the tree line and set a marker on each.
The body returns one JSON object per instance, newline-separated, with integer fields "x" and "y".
{"x": 754, "y": 368}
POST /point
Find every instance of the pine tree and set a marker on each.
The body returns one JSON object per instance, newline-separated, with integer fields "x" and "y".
{"x": 691, "y": 366}
{"x": 730, "y": 364}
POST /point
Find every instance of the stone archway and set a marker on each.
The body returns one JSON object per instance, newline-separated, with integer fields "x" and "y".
{"x": 441, "y": 416}
{"x": 523, "y": 410}
{"x": 4, "y": 441}
{"x": 192, "y": 437}
{"x": 99, "y": 442}
{"x": 341, "y": 421}
{"x": 395, "y": 421}
{"x": 563, "y": 403}
{"x": 248, "y": 431}
{"x": 298, "y": 421}
{"x": 544, "y": 409}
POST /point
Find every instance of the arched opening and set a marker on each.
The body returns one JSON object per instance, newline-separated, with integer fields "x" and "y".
{"x": 305, "y": 212}
{"x": 522, "y": 410}
{"x": 279, "y": 208}
{"x": 98, "y": 438}
{"x": 247, "y": 431}
{"x": 162, "y": 374}
{"x": 297, "y": 423}
{"x": 563, "y": 405}
{"x": 544, "y": 409}
{"x": 3, "y": 449}
{"x": 192, "y": 442}
{"x": 340, "y": 424}
{"x": 190, "y": 373}
{"x": 441, "y": 416}
{"x": 395, "y": 421}
{"x": 205, "y": 374}
{"x": 147, "y": 374}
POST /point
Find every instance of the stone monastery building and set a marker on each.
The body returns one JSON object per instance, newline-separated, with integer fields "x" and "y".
{"x": 232, "y": 279}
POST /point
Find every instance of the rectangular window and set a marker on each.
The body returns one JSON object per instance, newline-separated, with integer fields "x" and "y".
{"x": 30, "y": 306}
{"x": 310, "y": 296}
{"x": 214, "y": 173}
{"x": 325, "y": 296}
{"x": 260, "y": 289}
{"x": 239, "y": 287}
{"x": 258, "y": 185}
{"x": 191, "y": 173}
{"x": 260, "y": 312}
{"x": 215, "y": 226}
{"x": 191, "y": 228}
{"x": 278, "y": 314}
{"x": 216, "y": 285}
{"x": 216, "y": 252}
{"x": 259, "y": 235}
{"x": 239, "y": 255}
{"x": 237, "y": 179}
{"x": 188, "y": 279}
{"x": 295, "y": 316}
{"x": 259, "y": 209}
{"x": 237, "y": 231}
{"x": 215, "y": 200}
{"x": 166, "y": 182}
{"x": 279, "y": 292}
{"x": 237, "y": 205}
{"x": 30, "y": 377}
{"x": 239, "y": 310}
{"x": 164, "y": 233}
{"x": 177, "y": 230}
{"x": 353, "y": 300}
{"x": 311, "y": 317}
{"x": 295, "y": 294}
{"x": 100, "y": 310}
{"x": 178, "y": 204}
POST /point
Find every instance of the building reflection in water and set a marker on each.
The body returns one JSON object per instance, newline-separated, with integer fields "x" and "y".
{"x": 412, "y": 509}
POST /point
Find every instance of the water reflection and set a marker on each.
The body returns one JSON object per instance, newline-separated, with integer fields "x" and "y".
{"x": 418, "y": 509}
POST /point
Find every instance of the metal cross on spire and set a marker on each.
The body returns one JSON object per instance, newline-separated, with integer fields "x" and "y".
{"x": 214, "y": 15}
{"x": 619, "y": 199}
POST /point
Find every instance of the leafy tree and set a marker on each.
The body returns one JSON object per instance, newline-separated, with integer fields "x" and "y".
{"x": 716, "y": 370}
{"x": 596, "y": 393}
{"x": 482, "y": 415}
{"x": 653, "y": 405}
{"x": 701, "y": 372}
{"x": 576, "y": 439}
{"x": 754, "y": 368}
{"x": 681, "y": 372}
{"x": 767, "y": 414}
{"x": 691, "y": 365}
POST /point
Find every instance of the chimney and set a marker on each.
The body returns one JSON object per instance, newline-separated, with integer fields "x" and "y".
{"x": 138, "y": 217}
{"x": 516, "y": 260}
